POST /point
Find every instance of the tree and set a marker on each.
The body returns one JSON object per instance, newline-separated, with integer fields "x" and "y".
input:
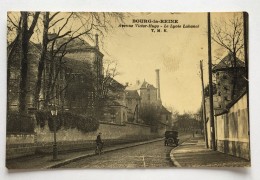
{"x": 68, "y": 27}
{"x": 228, "y": 34}
{"x": 13, "y": 38}
{"x": 26, "y": 33}
{"x": 188, "y": 121}
{"x": 150, "y": 115}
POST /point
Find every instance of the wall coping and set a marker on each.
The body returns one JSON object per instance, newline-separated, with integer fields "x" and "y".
{"x": 18, "y": 134}
{"x": 110, "y": 123}
{"x": 137, "y": 124}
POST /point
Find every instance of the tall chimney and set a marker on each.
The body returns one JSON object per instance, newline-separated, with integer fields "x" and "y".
{"x": 158, "y": 84}
{"x": 96, "y": 39}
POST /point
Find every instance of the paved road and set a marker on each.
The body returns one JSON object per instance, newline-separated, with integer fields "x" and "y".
{"x": 144, "y": 156}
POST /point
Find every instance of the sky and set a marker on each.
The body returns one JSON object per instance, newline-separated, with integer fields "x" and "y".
{"x": 177, "y": 53}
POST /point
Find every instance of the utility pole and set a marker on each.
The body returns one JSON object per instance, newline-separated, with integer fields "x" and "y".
{"x": 245, "y": 21}
{"x": 203, "y": 106}
{"x": 212, "y": 125}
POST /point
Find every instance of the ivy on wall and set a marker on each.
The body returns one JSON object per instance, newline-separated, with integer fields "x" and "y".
{"x": 67, "y": 120}
{"x": 19, "y": 123}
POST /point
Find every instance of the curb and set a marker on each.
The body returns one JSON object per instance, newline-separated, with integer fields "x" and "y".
{"x": 173, "y": 159}
{"x": 67, "y": 161}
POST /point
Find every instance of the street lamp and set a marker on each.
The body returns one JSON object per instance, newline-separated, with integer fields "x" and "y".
{"x": 54, "y": 113}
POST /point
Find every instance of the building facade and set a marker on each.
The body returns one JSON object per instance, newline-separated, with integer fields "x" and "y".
{"x": 231, "y": 119}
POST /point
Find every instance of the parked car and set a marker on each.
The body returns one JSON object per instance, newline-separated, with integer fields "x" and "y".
{"x": 171, "y": 138}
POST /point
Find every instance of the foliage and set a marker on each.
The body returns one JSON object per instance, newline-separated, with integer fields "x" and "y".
{"x": 87, "y": 124}
{"x": 19, "y": 123}
{"x": 67, "y": 120}
{"x": 150, "y": 115}
{"x": 42, "y": 117}
{"x": 187, "y": 121}
{"x": 82, "y": 122}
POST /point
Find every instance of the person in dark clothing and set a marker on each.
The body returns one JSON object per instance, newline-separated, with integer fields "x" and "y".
{"x": 99, "y": 141}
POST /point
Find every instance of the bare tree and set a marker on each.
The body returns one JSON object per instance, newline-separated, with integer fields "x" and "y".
{"x": 26, "y": 33}
{"x": 110, "y": 73}
{"x": 14, "y": 34}
{"x": 68, "y": 27}
{"x": 229, "y": 35}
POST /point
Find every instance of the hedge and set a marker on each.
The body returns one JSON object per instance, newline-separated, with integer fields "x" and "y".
{"x": 67, "y": 120}
{"x": 19, "y": 123}
{"x": 43, "y": 116}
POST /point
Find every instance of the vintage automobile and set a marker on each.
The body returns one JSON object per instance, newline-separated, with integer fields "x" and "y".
{"x": 171, "y": 138}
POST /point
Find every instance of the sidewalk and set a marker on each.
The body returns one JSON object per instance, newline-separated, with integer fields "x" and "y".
{"x": 193, "y": 153}
{"x": 46, "y": 162}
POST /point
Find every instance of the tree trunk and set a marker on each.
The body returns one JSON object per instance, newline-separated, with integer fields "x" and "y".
{"x": 24, "y": 63}
{"x": 235, "y": 73}
{"x": 9, "y": 63}
{"x": 25, "y": 37}
{"x": 42, "y": 60}
{"x": 49, "y": 84}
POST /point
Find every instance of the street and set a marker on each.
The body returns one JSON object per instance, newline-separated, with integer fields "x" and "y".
{"x": 144, "y": 156}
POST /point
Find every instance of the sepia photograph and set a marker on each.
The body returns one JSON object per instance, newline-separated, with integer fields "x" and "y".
{"x": 126, "y": 90}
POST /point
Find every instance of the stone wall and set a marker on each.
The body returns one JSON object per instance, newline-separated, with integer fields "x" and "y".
{"x": 109, "y": 131}
{"x": 72, "y": 139}
{"x": 232, "y": 130}
{"x": 20, "y": 145}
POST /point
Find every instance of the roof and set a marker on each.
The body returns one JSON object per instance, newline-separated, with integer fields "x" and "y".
{"x": 147, "y": 85}
{"x": 138, "y": 85}
{"x": 165, "y": 111}
{"x": 82, "y": 67}
{"x": 75, "y": 44}
{"x": 227, "y": 62}
{"x": 114, "y": 85}
{"x": 132, "y": 94}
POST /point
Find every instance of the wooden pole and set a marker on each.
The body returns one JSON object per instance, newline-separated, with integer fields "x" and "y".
{"x": 212, "y": 125}
{"x": 203, "y": 106}
{"x": 245, "y": 19}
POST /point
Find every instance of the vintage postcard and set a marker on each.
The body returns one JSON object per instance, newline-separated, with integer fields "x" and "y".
{"x": 127, "y": 90}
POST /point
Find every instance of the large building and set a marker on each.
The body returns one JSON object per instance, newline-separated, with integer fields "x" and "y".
{"x": 69, "y": 82}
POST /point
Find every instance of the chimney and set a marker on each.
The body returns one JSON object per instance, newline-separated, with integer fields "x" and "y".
{"x": 96, "y": 39}
{"x": 158, "y": 84}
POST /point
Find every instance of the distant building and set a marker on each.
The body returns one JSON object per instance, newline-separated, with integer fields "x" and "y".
{"x": 133, "y": 103}
{"x": 143, "y": 94}
{"x": 166, "y": 116}
{"x": 115, "y": 106}
{"x": 146, "y": 91}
